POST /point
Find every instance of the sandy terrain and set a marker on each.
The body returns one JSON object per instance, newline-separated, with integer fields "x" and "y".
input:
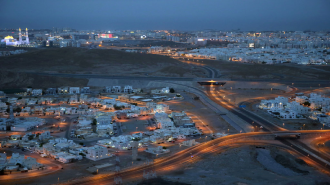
{"x": 236, "y": 70}
{"x": 95, "y": 61}
{"x": 10, "y": 80}
{"x": 248, "y": 165}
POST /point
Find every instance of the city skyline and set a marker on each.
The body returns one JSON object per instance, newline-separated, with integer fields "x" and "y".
{"x": 183, "y": 15}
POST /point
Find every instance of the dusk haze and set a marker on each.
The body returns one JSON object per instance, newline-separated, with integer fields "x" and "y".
{"x": 155, "y": 92}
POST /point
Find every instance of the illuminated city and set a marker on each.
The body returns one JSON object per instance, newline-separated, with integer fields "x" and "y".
{"x": 154, "y": 92}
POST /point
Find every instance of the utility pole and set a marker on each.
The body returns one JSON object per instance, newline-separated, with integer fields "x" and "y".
{"x": 117, "y": 178}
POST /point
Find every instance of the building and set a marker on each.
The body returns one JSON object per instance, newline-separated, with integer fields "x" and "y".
{"x": 36, "y": 92}
{"x": 10, "y": 41}
{"x": 44, "y": 136}
{"x": 51, "y": 91}
{"x": 105, "y": 35}
{"x": 74, "y": 90}
{"x": 97, "y": 153}
{"x": 128, "y": 89}
{"x": 85, "y": 90}
{"x": 77, "y": 37}
{"x": 31, "y": 163}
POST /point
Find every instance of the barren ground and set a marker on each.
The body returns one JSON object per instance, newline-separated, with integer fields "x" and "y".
{"x": 241, "y": 166}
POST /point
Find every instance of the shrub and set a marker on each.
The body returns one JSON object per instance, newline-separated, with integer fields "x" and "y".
{"x": 94, "y": 122}
{"x": 307, "y": 104}
{"x": 117, "y": 107}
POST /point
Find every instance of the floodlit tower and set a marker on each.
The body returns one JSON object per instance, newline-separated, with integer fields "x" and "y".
{"x": 20, "y": 35}
{"x": 27, "y": 36}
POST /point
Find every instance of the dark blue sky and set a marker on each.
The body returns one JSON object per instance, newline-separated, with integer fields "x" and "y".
{"x": 167, "y": 14}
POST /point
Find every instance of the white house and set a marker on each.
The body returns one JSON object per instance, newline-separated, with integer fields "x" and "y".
{"x": 85, "y": 90}
{"x": 97, "y": 153}
{"x": 62, "y": 90}
{"x": 128, "y": 89}
{"x": 45, "y": 135}
{"x": 288, "y": 114}
{"x": 116, "y": 89}
{"x": 36, "y": 92}
{"x": 31, "y": 163}
{"x": 295, "y": 106}
{"x": 16, "y": 158}
{"x": 74, "y": 90}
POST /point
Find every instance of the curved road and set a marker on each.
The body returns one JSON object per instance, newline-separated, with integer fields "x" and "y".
{"x": 184, "y": 157}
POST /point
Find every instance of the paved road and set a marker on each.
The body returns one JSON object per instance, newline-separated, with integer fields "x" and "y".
{"x": 213, "y": 74}
{"x": 257, "y": 122}
{"x": 184, "y": 157}
{"x": 50, "y": 165}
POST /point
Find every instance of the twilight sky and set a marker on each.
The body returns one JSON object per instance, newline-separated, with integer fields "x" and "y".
{"x": 256, "y": 15}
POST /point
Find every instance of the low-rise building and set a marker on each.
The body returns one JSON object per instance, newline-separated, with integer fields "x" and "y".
{"x": 97, "y": 153}
{"x": 36, "y": 92}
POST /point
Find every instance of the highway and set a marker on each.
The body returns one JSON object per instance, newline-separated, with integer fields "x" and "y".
{"x": 257, "y": 122}
{"x": 50, "y": 165}
{"x": 166, "y": 164}
{"x": 211, "y": 96}
{"x": 212, "y": 74}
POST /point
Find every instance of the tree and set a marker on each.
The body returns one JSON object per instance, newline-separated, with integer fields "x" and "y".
{"x": 307, "y": 104}
{"x": 94, "y": 122}
{"x": 117, "y": 107}
{"x": 31, "y": 137}
{"x": 136, "y": 139}
{"x": 172, "y": 90}
{"x": 20, "y": 165}
{"x": 82, "y": 154}
{"x": 18, "y": 109}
